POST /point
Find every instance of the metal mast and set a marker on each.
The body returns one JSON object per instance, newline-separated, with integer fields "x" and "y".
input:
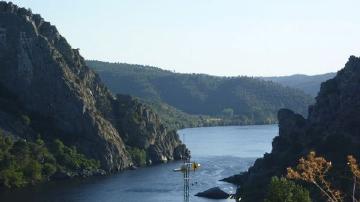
{"x": 187, "y": 165}
{"x": 185, "y": 168}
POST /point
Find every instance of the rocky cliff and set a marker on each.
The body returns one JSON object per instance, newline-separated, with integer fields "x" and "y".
{"x": 332, "y": 129}
{"x": 65, "y": 99}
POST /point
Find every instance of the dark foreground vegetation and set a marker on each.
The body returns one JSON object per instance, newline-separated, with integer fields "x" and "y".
{"x": 318, "y": 175}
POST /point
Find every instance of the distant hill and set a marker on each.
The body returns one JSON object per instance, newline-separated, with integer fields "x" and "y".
{"x": 308, "y": 84}
{"x": 246, "y": 100}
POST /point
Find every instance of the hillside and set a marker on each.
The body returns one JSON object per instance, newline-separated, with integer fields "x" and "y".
{"x": 308, "y": 84}
{"x": 332, "y": 130}
{"x": 243, "y": 100}
{"x": 47, "y": 91}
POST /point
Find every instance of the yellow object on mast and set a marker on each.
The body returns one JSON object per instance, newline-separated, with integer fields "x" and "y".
{"x": 185, "y": 168}
{"x": 193, "y": 167}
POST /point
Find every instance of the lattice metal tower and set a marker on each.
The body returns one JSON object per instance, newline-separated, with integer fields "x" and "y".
{"x": 187, "y": 166}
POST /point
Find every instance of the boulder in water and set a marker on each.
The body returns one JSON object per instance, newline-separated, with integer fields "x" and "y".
{"x": 213, "y": 193}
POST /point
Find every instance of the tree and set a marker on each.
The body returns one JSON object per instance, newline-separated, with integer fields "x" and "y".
{"x": 314, "y": 169}
{"x": 25, "y": 162}
{"x": 355, "y": 170}
{"x": 138, "y": 156}
{"x": 283, "y": 190}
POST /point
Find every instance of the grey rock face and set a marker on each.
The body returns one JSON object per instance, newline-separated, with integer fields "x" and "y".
{"x": 332, "y": 130}
{"x": 144, "y": 130}
{"x": 214, "y": 193}
{"x": 51, "y": 80}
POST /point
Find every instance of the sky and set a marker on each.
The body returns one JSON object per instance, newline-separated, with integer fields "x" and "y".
{"x": 218, "y": 37}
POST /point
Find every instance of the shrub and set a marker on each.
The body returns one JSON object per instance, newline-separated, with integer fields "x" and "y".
{"x": 49, "y": 169}
{"x": 137, "y": 155}
{"x": 33, "y": 171}
{"x": 70, "y": 159}
{"x": 26, "y": 119}
{"x": 314, "y": 169}
{"x": 12, "y": 178}
{"x": 23, "y": 162}
{"x": 283, "y": 190}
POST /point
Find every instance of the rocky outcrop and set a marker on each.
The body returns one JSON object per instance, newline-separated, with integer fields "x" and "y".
{"x": 66, "y": 100}
{"x": 213, "y": 193}
{"x": 332, "y": 129}
{"x": 144, "y": 130}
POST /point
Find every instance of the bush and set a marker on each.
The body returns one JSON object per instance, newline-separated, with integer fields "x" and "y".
{"x": 49, "y": 169}
{"x": 138, "y": 156}
{"x": 33, "y": 171}
{"x": 23, "y": 162}
{"x": 70, "y": 159}
{"x": 26, "y": 120}
{"x": 12, "y": 178}
{"x": 283, "y": 190}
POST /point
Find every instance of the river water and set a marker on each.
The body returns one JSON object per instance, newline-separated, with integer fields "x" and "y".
{"x": 221, "y": 151}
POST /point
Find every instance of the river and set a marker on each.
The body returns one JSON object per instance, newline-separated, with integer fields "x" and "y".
{"x": 221, "y": 151}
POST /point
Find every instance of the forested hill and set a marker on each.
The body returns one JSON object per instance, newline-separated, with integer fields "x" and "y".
{"x": 246, "y": 99}
{"x": 308, "y": 84}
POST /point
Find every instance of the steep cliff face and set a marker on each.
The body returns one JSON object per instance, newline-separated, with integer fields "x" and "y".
{"x": 64, "y": 97}
{"x": 144, "y": 130}
{"x": 332, "y": 129}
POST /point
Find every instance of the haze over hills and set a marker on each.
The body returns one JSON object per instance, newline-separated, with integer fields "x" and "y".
{"x": 308, "y": 84}
{"x": 244, "y": 100}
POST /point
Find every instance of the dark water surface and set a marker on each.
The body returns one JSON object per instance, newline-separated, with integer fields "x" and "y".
{"x": 221, "y": 151}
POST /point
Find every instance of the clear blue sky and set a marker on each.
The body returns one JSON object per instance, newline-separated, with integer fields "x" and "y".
{"x": 219, "y": 37}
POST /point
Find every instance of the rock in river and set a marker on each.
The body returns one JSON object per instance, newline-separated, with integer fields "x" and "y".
{"x": 213, "y": 193}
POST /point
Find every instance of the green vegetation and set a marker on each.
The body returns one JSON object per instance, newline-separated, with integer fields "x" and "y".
{"x": 26, "y": 120}
{"x": 137, "y": 155}
{"x": 69, "y": 159}
{"x": 176, "y": 119}
{"x": 23, "y": 162}
{"x": 283, "y": 190}
{"x": 210, "y": 100}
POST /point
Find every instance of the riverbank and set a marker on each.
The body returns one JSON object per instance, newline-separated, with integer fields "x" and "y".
{"x": 233, "y": 150}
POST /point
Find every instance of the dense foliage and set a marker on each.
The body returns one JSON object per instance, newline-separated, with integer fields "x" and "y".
{"x": 283, "y": 190}
{"x": 69, "y": 159}
{"x": 243, "y": 99}
{"x": 137, "y": 155}
{"x": 23, "y": 162}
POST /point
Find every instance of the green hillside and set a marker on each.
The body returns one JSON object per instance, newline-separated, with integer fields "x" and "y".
{"x": 246, "y": 100}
